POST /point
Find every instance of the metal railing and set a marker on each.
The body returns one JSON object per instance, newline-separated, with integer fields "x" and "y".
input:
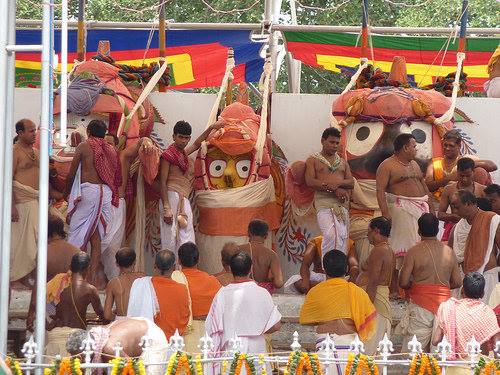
{"x": 328, "y": 355}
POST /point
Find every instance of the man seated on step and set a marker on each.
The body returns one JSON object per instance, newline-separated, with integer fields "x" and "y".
{"x": 71, "y": 295}
{"x": 266, "y": 268}
{"x": 338, "y": 307}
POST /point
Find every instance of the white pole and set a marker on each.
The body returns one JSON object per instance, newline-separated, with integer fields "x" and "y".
{"x": 294, "y": 66}
{"x": 63, "y": 114}
{"x": 43, "y": 184}
{"x": 5, "y": 261}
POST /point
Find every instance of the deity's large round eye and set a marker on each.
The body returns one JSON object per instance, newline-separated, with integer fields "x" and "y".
{"x": 362, "y": 137}
{"x": 243, "y": 168}
{"x": 217, "y": 168}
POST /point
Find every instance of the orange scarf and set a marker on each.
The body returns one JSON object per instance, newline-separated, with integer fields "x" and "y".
{"x": 476, "y": 246}
{"x": 429, "y": 296}
{"x": 338, "y": 299}
{"x": 202, "y": 289}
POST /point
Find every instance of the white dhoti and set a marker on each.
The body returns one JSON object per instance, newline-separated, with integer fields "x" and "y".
{"x": 384, "y": 319}
{"x": 342, "y": 344}
{"x": 56, "y": 341}
{"x": 491, "y": 280}
{"x": 334, "y": 227}
{"x": 492, "y": 88}
{"x": 289, "y": 287}
{"x": 405, "y": 212}
{"x": 158, "y": 350}
{"x": 416, "y": 321}
{"x": 173, "y": 236}
{"x": 112, "y": 241}
{"x": 24, "y": 232}
{"x": 89, "y": 209}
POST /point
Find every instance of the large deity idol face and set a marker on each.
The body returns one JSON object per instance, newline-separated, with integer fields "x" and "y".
{"x": 78, "y": 123}
{"x": 368, "y": 144}
{"x": 226, "y": 171}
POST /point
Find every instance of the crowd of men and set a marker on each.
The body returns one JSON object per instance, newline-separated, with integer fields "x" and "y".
{"x": 448, "y": 278}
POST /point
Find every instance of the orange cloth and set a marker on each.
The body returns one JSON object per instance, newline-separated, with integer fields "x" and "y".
{"x": 438, "y": 166}
{"x": 202, "y": 288}
{"x": 476, "y": 246}
{"x": 338, "y": 299}
{"x": 429, "y": 296}
{"x": 56, "y": 286}
{"x": 174, "y": 305}
{"x": 317, "y": 241}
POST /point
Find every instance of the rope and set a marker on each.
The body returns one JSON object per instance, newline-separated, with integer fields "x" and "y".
{"x": 266, "y": 91}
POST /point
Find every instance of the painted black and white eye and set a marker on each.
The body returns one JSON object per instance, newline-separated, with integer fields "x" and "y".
{"x": 217, "y": 168}
{"x": 243, "y": 168}
{"x": 362, "y": 137}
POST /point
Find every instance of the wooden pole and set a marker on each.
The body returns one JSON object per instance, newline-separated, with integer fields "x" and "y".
{"x": 162, "y": 38}
{"x": 81, "y": 31}
{"x": 463, "y": 26}
{"x": 364, "y": 29}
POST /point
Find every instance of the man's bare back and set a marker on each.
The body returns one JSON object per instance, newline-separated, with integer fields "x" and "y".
{"x": 71, "y": 311}
{"x": 59, "y": 254}
{"x": 377, "y": 269}
{"x": 406, "y": 180}
{"x": 431, "y": 262}
{"x": 118, "y": 293}
{"x": 86, "y": 158}
{"x": 128, "y": 333}
{"x": 265, "y": 264}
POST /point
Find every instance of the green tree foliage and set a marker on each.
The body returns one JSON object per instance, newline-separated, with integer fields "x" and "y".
{"x": 417, "y": 13}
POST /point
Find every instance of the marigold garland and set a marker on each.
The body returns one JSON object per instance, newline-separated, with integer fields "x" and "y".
{"x": 487, "y": 368}
{"x": 239, "y": 360}
{"x": 199, "y": 368}
{"x": 179, "y": 361}
{"x": 65, "y": 366}
{"x": 358, "y": 363}
{"x": 127, "y": 366}
{"x": 263, "y": 370}
{"x": 422, "y": 364}
{"x": 14, "y": 366}
{"x": 298, "y": 361}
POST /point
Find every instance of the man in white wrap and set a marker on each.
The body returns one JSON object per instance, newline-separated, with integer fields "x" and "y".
{"x": 242, "y": 309}
{"x": 402, "y": 195}
{"x": 330, "y": 177}
{"x": 93, "y": 182}
{"x": 176, "y": 179}
{"x": 480, "y": 250}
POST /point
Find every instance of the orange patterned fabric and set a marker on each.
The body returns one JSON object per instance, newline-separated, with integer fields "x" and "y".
{"x": 476, "y": 246}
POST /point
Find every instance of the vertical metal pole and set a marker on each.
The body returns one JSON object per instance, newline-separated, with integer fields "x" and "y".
{"x": 43, "y": 185}
{"x": 63, "y": 115}
{"x": 5, "y": 251}
{"x": 51, "y": 84}
{"x": 463, "y": 26}
{"x": 81, "y": 31}
{"x": 294, "y": 66}
{"x": 364, "y": 29}
{"x": 162, "y": 39}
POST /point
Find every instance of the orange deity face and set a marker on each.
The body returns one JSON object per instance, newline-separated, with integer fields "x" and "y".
{"x": 226, "y": 171}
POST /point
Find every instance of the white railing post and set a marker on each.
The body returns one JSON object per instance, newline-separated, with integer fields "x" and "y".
{"x": 235, "y": 345}
{"x": 145, "y": 344}
{"x": 29, "y": 350}
{"x": 177, "y": 342}
{"x": 328, "y": 349}
{"x": 207, "y": 346}
{"x": 88, "y": 348}
{"x": 385, "y": 348}
{"x": 414, "y": 346}
{"x": 497, "y": 348}
{"x": 444, "y": 349}
{"x": 473, "y": 347}
{"x": 117, "y": 349}
{"x": 357, "y": 346}
{"x": 295, "y": 343}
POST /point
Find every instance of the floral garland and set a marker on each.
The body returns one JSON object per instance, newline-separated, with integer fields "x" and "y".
{"x": 238, "y": 360}
{"x": 14, "y": 366}
{"x": 263, "y": 370}
{"x": 487, "y": 368}
{"x": 199, "y": 369}
{"x": 424, "y": 364}
{"x": 359, "y": 362}
{"x": 127, "y": 366}
{"x": 65, "y": 366}
{"x": 298, "y": 361}
{"x": 179, "y": 361}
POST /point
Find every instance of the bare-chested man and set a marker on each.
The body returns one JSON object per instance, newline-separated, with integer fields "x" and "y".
{"x": 476, "y": 239}
{"x": 465, "y": 173}
{"x": 375, "y": 277}
{"x": 128, "y": 334}
{"x": 402, "y": 195}
{"x": 59, "y": 255}
{"x": 118, "y": 289}
{"x": 93, "y": 180}
{"x": 225, "y": 277}
{"x": 442, "y": 171}
{"x": 329, "y": 175}
{"x": 338, "y": 307}
{"x": 24, "y": 203}
{"x": 266, "y": 269}
{"x": 430, "y": 270}
{"x": 71, "y": 295}
{"x": 176, "y": 179}
{"x": 492, "y": 192}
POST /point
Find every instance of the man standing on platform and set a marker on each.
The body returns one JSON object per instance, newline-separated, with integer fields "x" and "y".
{"x": 330, "y": 177}
{"x": 24, "y": 227}
{"x": 402, "y": 196}
{"x": 176, "y": 180}
{"x": 375, "y": 278}
{"x": 93, "y": 181}
{"x": 430, "y": 270}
